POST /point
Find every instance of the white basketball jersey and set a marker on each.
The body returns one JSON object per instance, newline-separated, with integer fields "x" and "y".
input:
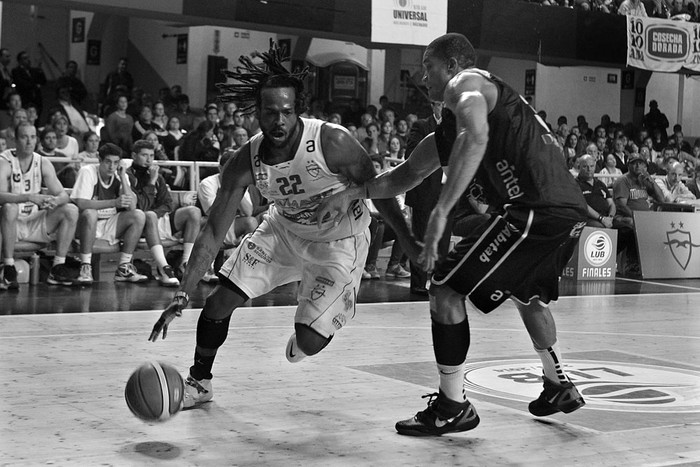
{"x": 24, "y": 182}
{"x": 297, "y": 186}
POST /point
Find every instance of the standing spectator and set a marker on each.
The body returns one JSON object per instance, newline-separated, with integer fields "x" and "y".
{"x": 28, "y": 215}
{"x": 5, "y": 76}
{"x": 154, "y": 199}
{"x": 76, "y": 117}
{"x": 119, "y": 80}
{"x": 119, "y": 125}
{"x": 28, "y": 81}
{"x": 75, "y": 86}
{"x": 655, "y": 121}
{"x": 107, "y": 212}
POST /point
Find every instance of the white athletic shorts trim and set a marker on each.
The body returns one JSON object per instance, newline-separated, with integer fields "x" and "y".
{"x": 329, "y": 272}
{"x": 106, "y": 229}
{"x": 165, "y": 229}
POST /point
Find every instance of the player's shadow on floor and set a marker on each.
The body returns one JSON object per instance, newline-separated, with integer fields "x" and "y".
{"x": 157, "y": 450}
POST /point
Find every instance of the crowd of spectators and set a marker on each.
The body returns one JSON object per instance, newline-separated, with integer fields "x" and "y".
{"x": 140, "y": 128}
{"x": 680, "y": 10}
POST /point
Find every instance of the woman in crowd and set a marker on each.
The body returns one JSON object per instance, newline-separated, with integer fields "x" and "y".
{"x": 570, "y": 152}
{"x": 159, "y": 117}
{"x": 91, "y": 143}
{"x": 119, "y": 125}
{"x": 172, "y": 140}
{"x": 145, "y": 123}
{"x": 610, "y": 169}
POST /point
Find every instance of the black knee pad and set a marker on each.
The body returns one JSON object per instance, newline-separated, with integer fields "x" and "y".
{"x": 211, "y": 333}
{"x": 309, "y": 341}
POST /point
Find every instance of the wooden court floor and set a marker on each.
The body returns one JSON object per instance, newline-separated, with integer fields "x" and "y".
{"x": 633, "y": 350}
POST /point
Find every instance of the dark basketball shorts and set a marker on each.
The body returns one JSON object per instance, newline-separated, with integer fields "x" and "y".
{"x": 520, "y": 255}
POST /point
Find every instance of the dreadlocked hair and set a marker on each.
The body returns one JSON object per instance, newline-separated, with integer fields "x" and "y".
{"x": 252, "y": 78}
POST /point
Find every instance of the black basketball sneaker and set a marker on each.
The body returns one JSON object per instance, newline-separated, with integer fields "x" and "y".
{"x": 442, "y": 416}
{"x": 556, "y": 398}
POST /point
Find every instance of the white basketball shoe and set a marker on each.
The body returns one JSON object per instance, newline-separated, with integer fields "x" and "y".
{"x": 196, "y": 392}
{"x": 293, "y": 352}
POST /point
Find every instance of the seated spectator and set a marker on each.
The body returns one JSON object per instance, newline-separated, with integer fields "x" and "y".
{"x": 230, "y": 109}
{"x": 620, "y": 154}
{"x": 47, "y": 143}
{"x": 635, "y": 191}
{"x": 335, "y": 118}
{"x": 239, "y": 137}
{"x": 119, "y": 126}
{"x": 371, "y": 142}
{"x": 28, "y": 215}
{"x": 672, "y": 187}
{"x": 386, "y": 131}
{"x": 601, "y": 208}
{"x": 91, "y": 145}
{"x": 185, "y": 115}
{"x": 159, "y": 117}
{"x": 395, "y": 150}
{"x": 18, "y": 117}
{"x": 168, "y": 173}
{"x": 172, "y": 139}
{"x": 68, "y": 147}
{"x": 107, "y": 212}
{"x": 201, "y": 145}
{"x": 145, "y": 123}
{"x": 570, "y": 143}
{"x": 632, "y": 8}
{"x": 380, "y": 233}
{"x": 610, "y": 169}
{"x": 694, "y": 182}
{"x": 77, "y": 122}
{"x": 248, "y": 216}
{"x": 362, "y": 131}
{"x": 645, "y": 154}
{"x": 3, "y": 143}
{"x": 154, "y": 199}
{"x": 13, "y": 102}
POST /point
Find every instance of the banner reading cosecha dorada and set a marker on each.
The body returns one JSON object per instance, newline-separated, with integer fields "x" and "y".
{"x": 415, "y": 22}
{"x": 662, "y": 45}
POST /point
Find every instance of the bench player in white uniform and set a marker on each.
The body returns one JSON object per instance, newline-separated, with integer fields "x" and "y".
{"x": 295, "y": 163}
{"x": 26, "y": 214}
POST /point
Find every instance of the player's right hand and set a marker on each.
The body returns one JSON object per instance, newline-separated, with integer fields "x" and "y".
{"x": 171, "y": 312}
{"x": 332, "y": 208}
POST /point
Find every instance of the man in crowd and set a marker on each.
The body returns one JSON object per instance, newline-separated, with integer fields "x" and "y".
{"x": 26, "y": 214}
{"x": 154, "y": 200}
{"x": 107, "y": 212}
{"x": 28, "y": 81}
{"x": 672, "y": 187}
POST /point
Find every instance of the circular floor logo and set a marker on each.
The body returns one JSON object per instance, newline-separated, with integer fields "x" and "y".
{"x": 605, "y": 385}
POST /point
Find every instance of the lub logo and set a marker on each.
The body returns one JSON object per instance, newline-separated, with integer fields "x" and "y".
{"x": 681, "y": 244}
{"x": 605, "y": 385}
{"x": 598, "y": 248}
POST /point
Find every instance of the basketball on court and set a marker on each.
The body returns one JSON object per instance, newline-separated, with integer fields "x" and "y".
{"x": 154, "y": 392}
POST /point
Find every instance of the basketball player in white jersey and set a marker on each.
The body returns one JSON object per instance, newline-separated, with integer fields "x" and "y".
{"x": 295, "y": 163}
{"x": 26, "y": 214}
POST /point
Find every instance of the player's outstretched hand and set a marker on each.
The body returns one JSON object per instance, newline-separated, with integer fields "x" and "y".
{"x": 332, "y": 208}
{"x": 171, "y": 312}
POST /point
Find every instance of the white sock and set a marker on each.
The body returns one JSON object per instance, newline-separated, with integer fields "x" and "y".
{"x": 552, "y": 364}
{"x": 452, "y": 381}
{"x": 86, "y": 258}
{"x": 125, "y": 258}
{"x": 8, "y": 261}
{"x": 59, "y": 260}
{"x": 159, "y": 255}
{"x": 186, "y": 251}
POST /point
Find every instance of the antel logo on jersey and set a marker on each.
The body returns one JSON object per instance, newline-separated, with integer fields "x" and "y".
{"x": 598, "y": 248}
{"x": 605, "y": 385}
{"x": 667, "y": 42}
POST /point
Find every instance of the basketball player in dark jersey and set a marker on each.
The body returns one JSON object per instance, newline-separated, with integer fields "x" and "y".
{"x": 490, "y": 142}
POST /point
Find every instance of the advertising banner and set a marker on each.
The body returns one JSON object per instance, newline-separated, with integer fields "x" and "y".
{"x": 662, "y": 45}
{"x": 595, "y": 258}
{"x": 669, "y": 244}
{"x": 415, "y": 22}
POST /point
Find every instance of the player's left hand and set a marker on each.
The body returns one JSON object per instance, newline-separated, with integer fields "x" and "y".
{"x": 436, "y": 226}
{"x": 171, "y": 312}
{"x": 332, "y": 208}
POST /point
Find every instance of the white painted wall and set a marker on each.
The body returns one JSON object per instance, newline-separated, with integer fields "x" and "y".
{"x": 376, "y": 75}
{"x": 664, "y": 88}
{"x": 573, "y": 91}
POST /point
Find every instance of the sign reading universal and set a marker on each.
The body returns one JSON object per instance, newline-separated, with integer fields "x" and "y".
{"x": 662, "y": 45}
{"x": 415, "y": 22}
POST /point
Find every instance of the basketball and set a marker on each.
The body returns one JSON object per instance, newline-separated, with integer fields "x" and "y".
{"x": 154, "y": 392}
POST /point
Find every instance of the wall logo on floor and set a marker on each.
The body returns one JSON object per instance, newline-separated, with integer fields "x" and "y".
{"x": 605, "y": 385}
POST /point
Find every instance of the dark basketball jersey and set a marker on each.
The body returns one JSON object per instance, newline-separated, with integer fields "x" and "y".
{"x": 524, "y": 163}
